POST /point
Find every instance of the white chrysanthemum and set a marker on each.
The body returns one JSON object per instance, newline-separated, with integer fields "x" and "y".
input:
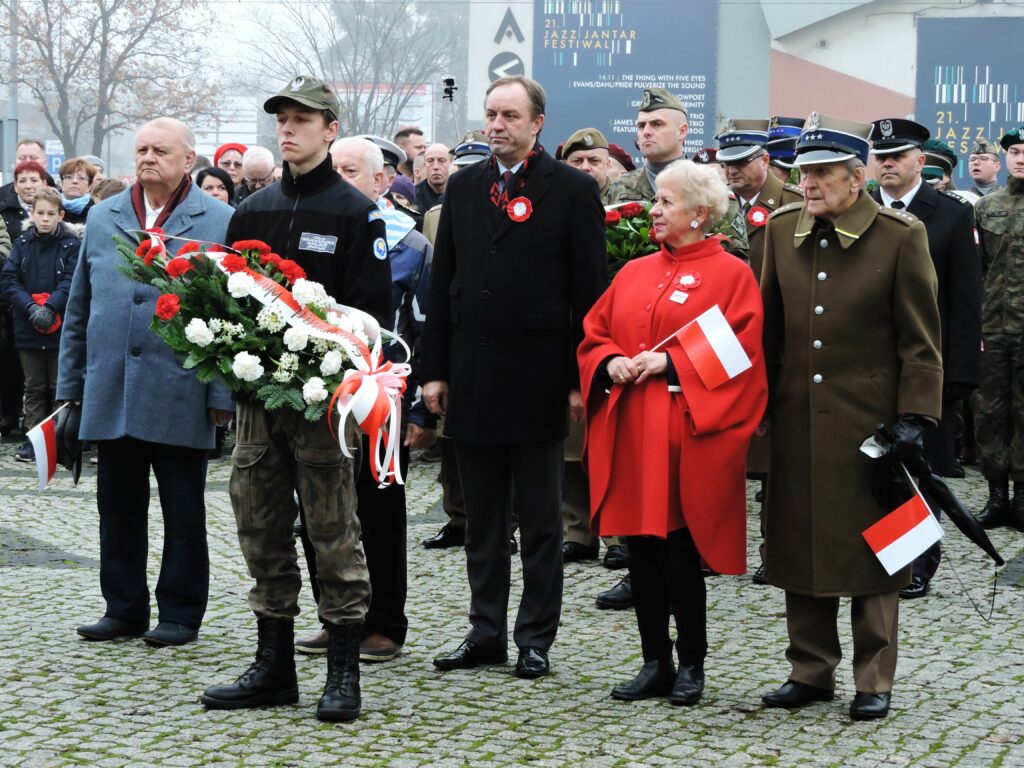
{"x": 296, "y": 339}
{"x": 269, "y": 320}
{"x": 282, "y": 375}
{"x": 313, "y": 391}
{"x": 322, "y": 346}
{"x": 331, "y": 363}
{"x": 214, "y": 324}
{"x": 289, "y": 361}
{"x": 198, "y": 333}
{"x": 240, "y": 285}
{"x": 246, "y": 366}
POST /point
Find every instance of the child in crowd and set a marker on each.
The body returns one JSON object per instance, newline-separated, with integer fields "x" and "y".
{"x": 36, "y": 280}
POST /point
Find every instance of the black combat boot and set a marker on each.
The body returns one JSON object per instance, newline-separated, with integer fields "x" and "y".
{"x": 1017, "y": 507}
{"x": 996, "y": 512}
{"x": 341, "y": 701}
{"x": 270, "y": 680}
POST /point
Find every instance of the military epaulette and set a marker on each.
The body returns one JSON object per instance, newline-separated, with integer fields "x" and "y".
{"x": 793, "y": 188}
{"x": 959, "y": 199}
{"x": 788, "y": 208}
{"x": 901, "y": 216}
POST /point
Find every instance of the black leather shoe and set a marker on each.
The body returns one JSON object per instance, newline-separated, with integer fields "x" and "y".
{"x": 954, "y": 470}
{"x": 792, "y": 694}
{"x": 688, "y": 687}
{"x": 758, "y": 577}
{"x": 616, "y": 556}
{"x": 573, "y": 552}
{"x": 870, "y": 706}
{"x": 109, "y": 628}
{"x": 996, "y": 512}
{"x": 449, "y": 536}
{"x": 654, "y": 681}
{"x": 167, "y": 633}
{"x": 918, "y": 587}
{"x": 618, "y": 598}
{"x": 533, "y": 662}
{"x": 470, "y": 655}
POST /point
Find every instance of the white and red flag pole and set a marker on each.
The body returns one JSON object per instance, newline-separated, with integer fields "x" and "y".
{"x": 43, "y": 437}
{"x": 899, "y": 537}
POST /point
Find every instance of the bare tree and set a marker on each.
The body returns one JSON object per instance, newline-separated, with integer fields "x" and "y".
{"x": 378, "y": 54}
{"x": 99, "y": 66}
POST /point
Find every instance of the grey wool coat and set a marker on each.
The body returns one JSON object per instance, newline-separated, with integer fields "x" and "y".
{"x": 130, "y": 383}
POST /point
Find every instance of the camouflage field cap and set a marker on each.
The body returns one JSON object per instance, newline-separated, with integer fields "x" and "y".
{"x": 984, "y": 147}
{"x": 585, "y": 138}
{"x": 659, "y": 98}
{"x": 308, "y": 91}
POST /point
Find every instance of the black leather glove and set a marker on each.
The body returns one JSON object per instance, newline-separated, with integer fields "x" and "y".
{"x": 908, "y": 444}
{"x": 42, "y": 318}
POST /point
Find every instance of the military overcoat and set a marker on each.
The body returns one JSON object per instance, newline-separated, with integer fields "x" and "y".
{"x": 851, "y": 340}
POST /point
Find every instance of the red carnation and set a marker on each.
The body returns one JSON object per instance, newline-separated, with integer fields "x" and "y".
{"x": 612, "y": 217}
{"x": 179, "y": 266}
{"x": 631, "y": 210}
{"x": 270, "y": 258}
{"x": 291, "y": 270}
{"x": 251, "y": 245}
{"x": 149, "y": 250}
{"x": 651, "y": 236}
{"x": 190, "y": 247}
{"x": 168, "y": 306}
{"x": 156, "y": 231}
{"x": 234, "y": 263}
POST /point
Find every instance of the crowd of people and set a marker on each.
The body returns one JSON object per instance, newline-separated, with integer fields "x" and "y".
{"x": 810, "y": 279}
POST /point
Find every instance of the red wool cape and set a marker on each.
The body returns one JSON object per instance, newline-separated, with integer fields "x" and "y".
{"x": 649, "y": 449}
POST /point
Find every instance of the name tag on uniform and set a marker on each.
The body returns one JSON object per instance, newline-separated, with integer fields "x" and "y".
{"x": 679, "y": 296}
{"x": 310, "y": 241}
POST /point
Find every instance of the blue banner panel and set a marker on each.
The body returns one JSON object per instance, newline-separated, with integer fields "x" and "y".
{"x": 969, "y": 81}
{"x": 596, "y": 57}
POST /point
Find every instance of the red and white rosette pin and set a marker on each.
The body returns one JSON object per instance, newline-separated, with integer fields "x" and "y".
{"x": 757, "y": 216}
{"x": 519, "y": 209}
{"x": 689, "y": 280}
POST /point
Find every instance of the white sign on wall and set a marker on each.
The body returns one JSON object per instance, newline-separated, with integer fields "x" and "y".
{"x": 500, "y": 44}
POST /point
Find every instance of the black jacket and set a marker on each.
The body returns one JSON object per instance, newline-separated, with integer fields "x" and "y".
{"x": 333, "y": 231}
{"x": 507, "y": 301}
{"x": 949, "y": 222}
{"x": 39, "y": 264}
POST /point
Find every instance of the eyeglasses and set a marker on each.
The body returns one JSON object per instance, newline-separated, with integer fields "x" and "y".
{"x": 980, "y": 158}
{"x": 268, "y": 179}
{"x": 75, "y": 177}
{"x": 229, "y": 164}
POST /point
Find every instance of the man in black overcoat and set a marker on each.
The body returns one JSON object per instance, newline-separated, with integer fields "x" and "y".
{"x": 949, "y": 222}
{"x": 513, "y": 275}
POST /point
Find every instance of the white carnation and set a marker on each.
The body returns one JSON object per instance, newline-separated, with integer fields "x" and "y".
{"x": 296, "y": 339}
{"x": 331, "y": 363}
{"x": 198, "y": 333}
{"x": 246, "y": 366}
{"x": 240, "y": 285}
{"x": 313, "y": 391}
{"x": 269, "y": 320}
{"x": 309, "y": 293}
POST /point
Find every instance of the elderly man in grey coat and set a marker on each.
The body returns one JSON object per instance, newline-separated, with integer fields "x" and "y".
{"x": 143, "y": 411}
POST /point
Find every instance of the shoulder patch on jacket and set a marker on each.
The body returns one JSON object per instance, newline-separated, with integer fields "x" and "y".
{"x": 951, "y": 196}
{"x": 901, "y": 216}
{"x": 375, "y": 216}
{"x": 787, "y": 208}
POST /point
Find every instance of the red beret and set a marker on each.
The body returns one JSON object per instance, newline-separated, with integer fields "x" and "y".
{"x": 705, "y": 156}
{"x": 622, "y": 156}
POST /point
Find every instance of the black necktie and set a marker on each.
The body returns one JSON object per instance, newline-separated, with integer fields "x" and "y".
{"x": 897, "y": 204}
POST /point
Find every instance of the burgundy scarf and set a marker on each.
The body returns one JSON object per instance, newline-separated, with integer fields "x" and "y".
{"x": 500, "y": 197}
{"x": 139, "y": 202}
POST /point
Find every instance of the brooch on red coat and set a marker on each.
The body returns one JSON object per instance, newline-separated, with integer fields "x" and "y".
{"x": 689, "y": 280}
{"x": 757, "y": 216}
{"x": 519, "y": 209}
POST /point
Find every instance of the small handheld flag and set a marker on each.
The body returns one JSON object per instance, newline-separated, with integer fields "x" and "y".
{"x": 713, "y": 348}
{"x": 899, "y": 537}
{"x": 43, "y": 437}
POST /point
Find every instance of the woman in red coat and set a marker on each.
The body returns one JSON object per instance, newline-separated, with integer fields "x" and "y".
{"x": 668, "y": 426}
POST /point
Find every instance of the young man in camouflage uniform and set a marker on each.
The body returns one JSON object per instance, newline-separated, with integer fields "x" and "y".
{"x": 999, "y": 401}
{"x": 337, "y": 235}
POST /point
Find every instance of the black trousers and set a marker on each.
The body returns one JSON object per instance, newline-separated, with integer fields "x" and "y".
{"x": 12, "y": 380}
{"x": 122, "y": 496}
{"x": 667, "y": 580}
{"x": 489, "y": 473}
{"x": 382, "y": 519}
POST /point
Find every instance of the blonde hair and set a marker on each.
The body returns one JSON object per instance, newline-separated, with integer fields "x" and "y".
{"x": 48, "y": 195}
{"x": 697, "y": 185}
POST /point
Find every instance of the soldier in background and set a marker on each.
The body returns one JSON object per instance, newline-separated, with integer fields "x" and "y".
{"x": 983, "y": 166}
{"x": 587, "y": 151}
{"x": 782, "y": 135}
{"x": 999, "y": 401}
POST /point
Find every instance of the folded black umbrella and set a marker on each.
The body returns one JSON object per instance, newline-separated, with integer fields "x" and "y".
{"x": 69, "y": 447}
{"x": 937, "y": 492}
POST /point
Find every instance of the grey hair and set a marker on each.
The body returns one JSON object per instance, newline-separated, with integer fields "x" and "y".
{"x": 258, "y": 154}
{"x": 698, "y": 185}
{"x": 372, "y": 155}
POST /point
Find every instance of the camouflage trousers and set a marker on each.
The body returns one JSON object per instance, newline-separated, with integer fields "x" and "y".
{"x": 277, "y": 454}
{"x": 999, "y": 411}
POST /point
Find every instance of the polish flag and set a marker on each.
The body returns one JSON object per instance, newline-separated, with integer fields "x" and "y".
{"x": 43, "y": 437}
{"x": 713, "y": 348}
{"x": 899, "y": 537}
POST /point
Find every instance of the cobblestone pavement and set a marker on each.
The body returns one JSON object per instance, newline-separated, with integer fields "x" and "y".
{"x": 64, "y": 701}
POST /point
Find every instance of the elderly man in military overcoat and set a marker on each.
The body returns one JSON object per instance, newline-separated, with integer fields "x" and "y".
{"x": 851, "y": 340}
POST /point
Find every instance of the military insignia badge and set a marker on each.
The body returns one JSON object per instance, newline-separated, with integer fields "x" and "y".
{"x": 812, "y": 122}
{"x": 588, "y": 139}
{"x": 885, "y": 126}
{"x": 703, "y": 157}
{"x": 689, "y": 280}
{"x": 297, "y": 83}
{"x": 380, "y": 249}
{"x": 646, "y": 100}
{"x": 519, "y": 209}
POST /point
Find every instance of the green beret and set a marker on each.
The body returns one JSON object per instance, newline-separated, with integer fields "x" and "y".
{"x": 659, "y": 98}
{"x": 1011, "y": 137}
{"x": 585, "y": 138}
{"x": 941, "y": 152}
